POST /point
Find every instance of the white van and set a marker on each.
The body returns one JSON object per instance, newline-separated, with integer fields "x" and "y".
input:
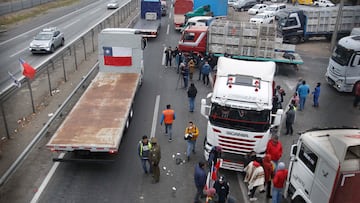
{"x": 274, "y": 9}
{"x": 197, "y": 21}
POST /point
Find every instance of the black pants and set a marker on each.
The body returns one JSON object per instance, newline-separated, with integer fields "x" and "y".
{"x": 168, "y": 61}
{"x": 199, "y": 193}
{"x": 206, "y": 77}
{"x": 289, "y": 128}
{"x": 356, "y": 101}
{"x": 252, "y": 191}
{"x": 268, "y": 189}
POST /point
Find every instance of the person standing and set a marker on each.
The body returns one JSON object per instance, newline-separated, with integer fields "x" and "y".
{"x": 168, "y": 57}
{"x": 255, "y": 177}
{"x": 144, "y": 148}
{"x": 295, "y": 100}
{"x": 200, "y": 65}
{"x": 316, "y": 95}
{"x": 279, "y": 182}
{"x": 357, "y": 94}
{"x": 274, "y": 148}
{"x": 269, "y": 173}
{"x": 185, "y": 74}
{"x": 155, "y": 156}
{"x": 168, "y": 116}
{"x": 290, "y": 118}
{"x": 303, "y": 92}
{"x": 205, "y": 71}
{"x": 191, "y": 65}
{"x": 192, "y": 91}
{"x": 299, "y": 82}
{"x": 200, "y": 180}
{"x": 191, "y": 134}
{"x": 222, "y": 189}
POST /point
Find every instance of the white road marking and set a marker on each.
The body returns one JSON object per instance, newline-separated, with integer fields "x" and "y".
{"x": 167, "y": 29}
{"x": 163, "y": 58}
{"x": 155, "y": 116}
{"x": 70, "y": 24}
{"x": 16, "y": 53}
{"x": 170, "y": 15}
{"x": 243, "y": 188}
{"x": 46, "y": 180}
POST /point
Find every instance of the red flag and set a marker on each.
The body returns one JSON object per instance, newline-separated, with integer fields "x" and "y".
{"x": 28, "y": 71}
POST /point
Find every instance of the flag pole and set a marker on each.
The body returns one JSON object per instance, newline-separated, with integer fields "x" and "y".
{"x": 31, "y": 95}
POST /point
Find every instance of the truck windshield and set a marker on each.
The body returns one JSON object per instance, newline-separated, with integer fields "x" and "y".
{"x": 239, "y": 119}
{"x": 342, "y": 55}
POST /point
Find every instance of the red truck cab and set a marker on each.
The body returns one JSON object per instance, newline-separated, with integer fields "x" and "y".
{"x": 181, "y": 7}
{"x": 194, "y": 39}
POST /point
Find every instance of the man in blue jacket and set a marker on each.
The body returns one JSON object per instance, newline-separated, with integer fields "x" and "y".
{"x": 200, "y": 180}
{"x": 205, "y": 71}
{"x": 303, "y": 92}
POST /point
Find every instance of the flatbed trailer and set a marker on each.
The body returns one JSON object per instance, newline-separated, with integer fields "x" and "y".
{"x": 148, "y": 28}
{"x": 99, "y": 118}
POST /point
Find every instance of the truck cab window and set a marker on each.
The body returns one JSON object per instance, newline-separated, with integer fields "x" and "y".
{"x": 308, "y": 157}
{"x": 291, "y": 22}
{"x": 189, "y": 36}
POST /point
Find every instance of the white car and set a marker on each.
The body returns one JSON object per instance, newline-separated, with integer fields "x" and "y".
{"x": 273, "y": 9}
{"x": 113, "y": 4}
{"x": 262, "y": 18}
{"x": 323, "y": 3}
{"x": 258, "y": 8}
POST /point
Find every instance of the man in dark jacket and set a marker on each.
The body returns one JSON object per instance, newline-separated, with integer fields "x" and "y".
{"x": 192, "y": 91}
{"x": 155, "y": 156}
{"x": 222, "y": 189}
{"x": 200, "y": 180}
{"x": 205, "y": 71}
{"x": 290, "y": 118}
{"x": 168, "y": 57}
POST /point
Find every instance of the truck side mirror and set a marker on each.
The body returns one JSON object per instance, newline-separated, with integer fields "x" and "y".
{"x": 276, "y": 118}
{"x": 356, "y": 61}
{"x": 204, "y": 108}
{"x": 293, "y": 150}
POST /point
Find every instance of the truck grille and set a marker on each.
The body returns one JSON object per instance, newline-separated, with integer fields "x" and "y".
{"x": 236, "y": 145}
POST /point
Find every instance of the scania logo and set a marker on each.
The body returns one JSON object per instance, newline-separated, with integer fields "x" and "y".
{"x": 237, "y": 134}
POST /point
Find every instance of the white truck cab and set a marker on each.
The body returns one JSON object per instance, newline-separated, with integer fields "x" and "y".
{"x": 239, "y": 110}
{"x": 343, "y": 71}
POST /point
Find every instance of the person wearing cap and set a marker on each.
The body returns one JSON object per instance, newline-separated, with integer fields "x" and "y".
{"x": 144, "y": 147}
{"x": 200, "y": 180}
{"x": 290, "y": 118}
{"x": 222, "y": 189}
{"x": 279, "y": 182}
{"x": 191, "y": 133}
{"x": 155, "y": 156}
{"x": 274, "y": 148}
{"x": 168, "y": 116}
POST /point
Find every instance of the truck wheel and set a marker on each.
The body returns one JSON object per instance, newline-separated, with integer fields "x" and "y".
{"x": 131, "y": 114}
{"x": 294, "y": 39}
{"x": 298, "y": 199}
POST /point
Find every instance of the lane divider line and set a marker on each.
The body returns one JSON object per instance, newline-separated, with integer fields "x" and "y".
{"x": 155, "y": 116}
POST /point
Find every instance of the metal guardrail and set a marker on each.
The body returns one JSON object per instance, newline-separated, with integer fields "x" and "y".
{"x": 121, "y": 14}
{"x": 45, "y": 129}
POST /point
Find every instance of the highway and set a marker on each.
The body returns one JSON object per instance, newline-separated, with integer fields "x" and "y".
{"x": 124, "y": 181}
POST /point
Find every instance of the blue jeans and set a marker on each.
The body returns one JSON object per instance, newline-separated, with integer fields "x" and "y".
{"x": 143, "y": 163}
{"x": 168, "y": 129}
{"x": 190, "y": 147}
{"x": 186, "y": 81}
{"x": 316, "y": 101}
{"x": 276, "y": 195}
{"x": 302, "y": 103}
{"x": 191, "y": 103}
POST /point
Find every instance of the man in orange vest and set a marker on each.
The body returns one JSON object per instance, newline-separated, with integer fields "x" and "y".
{"x": 168, "y": 117}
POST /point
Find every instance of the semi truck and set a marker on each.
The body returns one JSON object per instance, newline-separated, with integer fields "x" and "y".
{"x": 98, "y": 121}
{"x": 240, "y": 40}
{"x": 343, "y": 71}
{"x": 149, "y": 22}
{"x": 181, "y": 7}
{"x": 300, "y": 25}
{"x": 239, "y": 110}
{"x": 325, "y": 166}
{"x": 218, "y": 7}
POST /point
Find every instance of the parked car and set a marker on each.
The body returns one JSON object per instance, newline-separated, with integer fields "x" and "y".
{"x": 243, "y": 5}
{"x": 113, "y": 4}
{"x": 262, "y": 18}
{"x": 47, "y": 41}
{"x": 273, "y": 9}
{"x": 324, "y": 3}
{"x": 163, "y": 8}
{"x": 258, "y": 8}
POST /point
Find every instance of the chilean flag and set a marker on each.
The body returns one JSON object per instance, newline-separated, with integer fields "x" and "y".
{"x": 28, "y": 71}
{"x": 117, "y": 56}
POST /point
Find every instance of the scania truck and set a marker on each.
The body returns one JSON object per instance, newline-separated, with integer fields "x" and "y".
{"x": 97, "y": 122}
{"x": 325, "y": 167}
{"x": 238, "y": 110}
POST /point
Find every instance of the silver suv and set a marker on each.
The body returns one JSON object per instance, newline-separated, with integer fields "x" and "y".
{"x": 47, "y": 41}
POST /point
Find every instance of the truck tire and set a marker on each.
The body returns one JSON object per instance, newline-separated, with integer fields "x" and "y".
{"x": 294, "y": 39}
{"x": 298, "y": 199}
